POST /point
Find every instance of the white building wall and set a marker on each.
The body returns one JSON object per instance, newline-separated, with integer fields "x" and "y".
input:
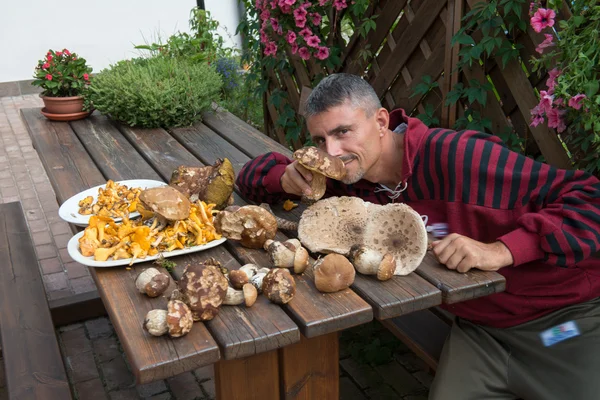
{"x": 103, "y": 32}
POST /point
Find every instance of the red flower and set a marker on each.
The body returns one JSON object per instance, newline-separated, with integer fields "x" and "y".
{"x": 46, "y": 66}
{"x": 67, "y": 52}
{"x": 86, "y": 77}
{"x": 49, "y": 58}
{"x": 59, "y": 53}
{"x": 49, "y": 77}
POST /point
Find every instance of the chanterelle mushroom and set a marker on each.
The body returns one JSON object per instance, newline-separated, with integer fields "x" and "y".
{"x": 322, "y": 166}
{"x": 203, "y": 287}
{"x": 336, "y": 224}
{"x": 252, "y": 225}
{"x": 166, "y": 202}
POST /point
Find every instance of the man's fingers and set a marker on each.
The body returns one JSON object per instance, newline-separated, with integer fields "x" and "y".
{"x": 295, "y": 181}
{"x": 305, "y": 173}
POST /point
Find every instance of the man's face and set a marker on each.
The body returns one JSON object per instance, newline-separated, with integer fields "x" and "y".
{"x": 346, "y": 132}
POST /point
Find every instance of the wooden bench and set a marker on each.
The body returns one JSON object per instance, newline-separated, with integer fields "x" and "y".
{"x": 33, "y": 362}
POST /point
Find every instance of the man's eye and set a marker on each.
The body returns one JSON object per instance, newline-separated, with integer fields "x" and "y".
{"x": 343, "y": 131}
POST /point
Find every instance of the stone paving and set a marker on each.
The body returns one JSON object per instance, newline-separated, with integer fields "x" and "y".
{"x": 94, "y": 359}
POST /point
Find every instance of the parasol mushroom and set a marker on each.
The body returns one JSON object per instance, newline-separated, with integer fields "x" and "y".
{"x": 333, "y": 273}
{"x": 336, "y": 224}
{"x": 322, "y": 166}
{"x": 251, "y": 225}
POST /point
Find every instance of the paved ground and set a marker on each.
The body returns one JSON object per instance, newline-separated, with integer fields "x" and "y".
{"x": 95, "y": 362}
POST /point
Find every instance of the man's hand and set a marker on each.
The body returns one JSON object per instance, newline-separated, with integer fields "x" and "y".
{"x": 295, "y": 179}
{"x": 462, "y": 253}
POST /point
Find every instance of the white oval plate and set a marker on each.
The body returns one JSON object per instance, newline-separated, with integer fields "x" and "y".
{"x": 69, "y": 210}
{"x": 73, "y": 248}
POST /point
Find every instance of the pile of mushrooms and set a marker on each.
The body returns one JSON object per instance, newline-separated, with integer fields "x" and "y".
{"x": 374, "y": 237}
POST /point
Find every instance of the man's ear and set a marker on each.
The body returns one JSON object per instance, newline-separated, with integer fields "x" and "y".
{"x": 382, "y": 117}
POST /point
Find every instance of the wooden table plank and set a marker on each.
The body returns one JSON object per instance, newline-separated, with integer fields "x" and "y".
{"x": 70, "y": 168}
{"x": 253, "y": 378}
{"x": 34, "y": 366}
{"x": 151, "y": 358}
{"x": 110, "y": 150}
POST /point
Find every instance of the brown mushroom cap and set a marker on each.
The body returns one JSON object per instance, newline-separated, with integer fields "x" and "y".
{"x": 279, "y": 285}
{"x": 152, "y": 282}
{"x": 336, "y": 224}
{"x": 179, "y": 318}
{"x": 204, "y": 286}
{"x": 167, "y": 202}
{"x": 323, "y": 165}
{"x": 252, "y": 225}
{"x": 333, "y": 273}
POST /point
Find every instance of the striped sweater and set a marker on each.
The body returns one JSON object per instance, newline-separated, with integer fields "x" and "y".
{"x": 548, "y": 218}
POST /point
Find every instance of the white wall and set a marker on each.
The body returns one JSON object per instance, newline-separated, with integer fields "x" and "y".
{"x": 103, "y": 32}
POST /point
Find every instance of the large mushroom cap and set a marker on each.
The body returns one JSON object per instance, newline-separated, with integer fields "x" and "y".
{"x": 252, "y": 225}
{"x": 336, "y": 224}
{"x": 167, "y": 202}
{"x": 333, "y": 273}
{"x": 204, "y": 286}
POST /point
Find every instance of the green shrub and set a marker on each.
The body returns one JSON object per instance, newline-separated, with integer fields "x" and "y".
{"x": 156, "y": 92}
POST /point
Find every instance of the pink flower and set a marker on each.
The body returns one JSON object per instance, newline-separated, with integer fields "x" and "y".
{"x": 49, "y": 58}
{"x": 546, "y": 43}
{"x": 322, "y": 53}
{"x": 59, "y": 53}
{"x": 555, "y": 119}
{"x": 294, "y": 48}
{"x": 300, "y": 13}
{"x": 300, "y": 23}
{"x": 265, "y": 15}
{"x": 274, "y": 24}
{"x": 49, "y": 77}
{"x": 313, "y": 41}
{"x": 323, "y": 2}
{"x": 316, "y": 18}
{"x": 67, "y": 52}
{"x": 545, "y": 101}
{"x": 290, "y": 37}
{"x": 306, "y": 32}
{"x": 86, "y": 77}
{"x": 270, "y": 49}
{"x": 543, "y": 18}
{"x": 286, "y": 9}
{"x": 289, "y": 2}
{"x": 46, "y": 66}
{"x": 576, "y": 100}
{"x": 304, "y": 53}
{"x": 339, "y": 4}
{"x": 551, "y": 81}
{"x": 537, "y": 116}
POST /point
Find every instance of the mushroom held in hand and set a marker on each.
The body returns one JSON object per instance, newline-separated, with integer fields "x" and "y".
{"x": 152, "y": 282}
{"x": 203, "y": 287}
{"x": 251, "y": 225}
{"x": 335, "y": 224}
{"x": 333, "y": 273}
{"x": 370, "y": 262}
{"x": 176, "y": 320}
{"x": 279, "y": 286}
{"x": 322, "y": 166}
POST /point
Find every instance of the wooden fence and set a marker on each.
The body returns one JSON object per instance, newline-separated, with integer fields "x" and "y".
{"x": 412, "y": 40}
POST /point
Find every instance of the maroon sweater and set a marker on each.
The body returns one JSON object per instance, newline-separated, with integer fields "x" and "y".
{"x": 548, "y": 218}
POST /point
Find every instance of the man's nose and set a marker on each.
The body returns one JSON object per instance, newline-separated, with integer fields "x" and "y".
{"x": 333, "y": 148}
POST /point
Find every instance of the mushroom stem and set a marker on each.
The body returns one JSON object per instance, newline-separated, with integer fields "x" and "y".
{"x": 370, "y": 262}
{"x": 282, "y": 223}
{"x": 289, "y": 254}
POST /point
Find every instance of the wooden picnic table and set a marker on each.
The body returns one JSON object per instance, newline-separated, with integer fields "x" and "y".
{"x": 288, "y": 351}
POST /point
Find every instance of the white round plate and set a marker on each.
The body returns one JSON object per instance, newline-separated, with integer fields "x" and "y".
{"x": 73, "y": 248}
{"x": 69, "y": 210}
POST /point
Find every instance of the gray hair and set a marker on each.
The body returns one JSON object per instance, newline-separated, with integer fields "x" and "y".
{"x": 334, "y": 90}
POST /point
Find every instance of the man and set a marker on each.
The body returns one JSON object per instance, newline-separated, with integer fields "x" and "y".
{"x": 535, "y": 224}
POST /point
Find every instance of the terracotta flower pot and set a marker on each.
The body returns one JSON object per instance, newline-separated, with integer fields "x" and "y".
{"x": 63, "y": 105}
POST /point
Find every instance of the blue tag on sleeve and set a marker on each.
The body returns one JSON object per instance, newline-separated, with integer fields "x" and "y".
{"x": 559, "y": 333}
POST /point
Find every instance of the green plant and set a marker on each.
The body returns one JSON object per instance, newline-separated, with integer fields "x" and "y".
{"x": 202, "y": 44}
{"x": 62, "y": 74}
{"x": 156, "y": 92}
{"x": 571, "y": 101}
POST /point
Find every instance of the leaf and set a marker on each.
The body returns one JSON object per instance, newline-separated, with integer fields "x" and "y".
{"x": 591, "y": 88}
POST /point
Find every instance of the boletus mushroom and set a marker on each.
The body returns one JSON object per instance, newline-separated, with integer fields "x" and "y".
{"x": 288, "y": 254}
{"x": 322, "y": 166}
{"x": 279, "y": 286}
{"x": 152, "y": 282}
{"x": 176, "y": 320}
{"x": 203, "y": 287}
{"x": 371, "y": 262}
{"x": 336, "y": 224}
{"x": 211, "y": 184}
{"x": 167, "y": 203}
{"x": 251, "y": 225}
{"x": 333, "y": 273}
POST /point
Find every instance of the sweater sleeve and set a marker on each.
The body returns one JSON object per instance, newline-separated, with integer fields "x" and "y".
{"x": 557, "y": 211}
{"x": 259, "y": 179}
